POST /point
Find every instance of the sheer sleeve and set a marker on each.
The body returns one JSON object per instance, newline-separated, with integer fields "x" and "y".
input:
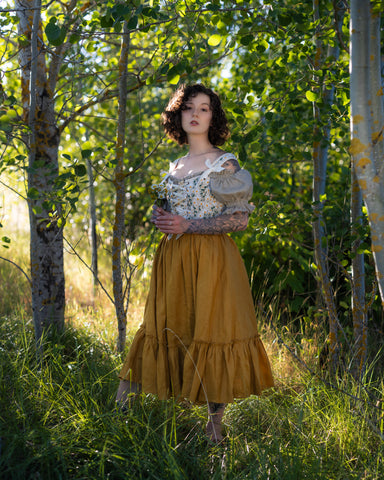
{"x": 233, "y": 189}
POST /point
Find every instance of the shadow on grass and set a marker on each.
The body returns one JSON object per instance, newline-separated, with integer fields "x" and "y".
{"x": 58, "y": 421}
{"x": 58, "y": 418}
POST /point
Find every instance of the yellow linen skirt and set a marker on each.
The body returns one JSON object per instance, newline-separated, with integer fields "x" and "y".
{"x": 199, "y": 338}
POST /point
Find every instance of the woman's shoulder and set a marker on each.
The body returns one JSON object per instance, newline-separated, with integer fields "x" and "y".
{"x": 223, "y": 155}
{"x": 227, "y": 161}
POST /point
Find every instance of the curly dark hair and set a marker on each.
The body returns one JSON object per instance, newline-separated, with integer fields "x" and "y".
{"x": 171, "y": 117}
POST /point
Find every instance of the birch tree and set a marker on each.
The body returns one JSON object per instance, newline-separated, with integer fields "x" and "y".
{"x": 367, "y": 122}
{"x": 119, "y": 184}
{"x": 46, "y": 235}
{"x": 321, "y": 141}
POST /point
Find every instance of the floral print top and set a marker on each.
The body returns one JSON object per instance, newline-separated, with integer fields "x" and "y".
{"x": 208, "y": 193}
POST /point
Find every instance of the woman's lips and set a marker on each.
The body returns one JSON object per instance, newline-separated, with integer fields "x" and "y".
{"x": 194, "y": 122}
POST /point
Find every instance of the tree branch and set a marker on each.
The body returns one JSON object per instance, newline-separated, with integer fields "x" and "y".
{"x": 17, "y": 266}
{"x": 89, "y": 268}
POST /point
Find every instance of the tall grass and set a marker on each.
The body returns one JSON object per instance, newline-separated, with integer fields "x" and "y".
{"x": 58, "y": 418}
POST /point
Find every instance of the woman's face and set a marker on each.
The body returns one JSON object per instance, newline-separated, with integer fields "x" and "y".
{"x": 197, "y": 115}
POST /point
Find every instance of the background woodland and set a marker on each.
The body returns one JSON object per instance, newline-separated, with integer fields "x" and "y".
{"x": 83, "y": 84}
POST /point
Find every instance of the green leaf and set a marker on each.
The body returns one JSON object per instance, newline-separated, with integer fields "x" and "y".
{"x": 247, "y": 39}
{"x": 55, "y": 34}
{"x": 212, "y": 7}
{"x": 133, "y": 21}
{"x": 311, "y": 96}
{"x": 86, "y": 153}
{"x": 33, "y": 193}
{"x": 74, "y": 38}
{"x": 6, "y": 239}
{"x": 23, "y": 41}
{"x": 173, "y": 80}
{"x": 117, "y": 26}
{"x": 214, "y": 40}
{"x": 173, "y": 75}
{"x": 80, "y": 170}
{"x": 106, "y": 21}
{"x": 112, "y": 163}
{"x": 37, "y": 210}
{"x": 284, "y": 19}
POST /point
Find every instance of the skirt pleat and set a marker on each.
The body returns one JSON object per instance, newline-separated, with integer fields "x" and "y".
{"x": 199, "y": 337}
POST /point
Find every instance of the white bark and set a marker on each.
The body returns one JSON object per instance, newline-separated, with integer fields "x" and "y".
{"x": 359, "y": 314}
{"x": 366, "y": 167}
{"x": 119, "y": 183}
{"x": 377, "y": 94}
{"x": 358, "y": 303}
{"x": 46, "y": 238}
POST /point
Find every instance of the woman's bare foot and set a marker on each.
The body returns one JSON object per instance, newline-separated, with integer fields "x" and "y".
{"x": 214, "y": 427}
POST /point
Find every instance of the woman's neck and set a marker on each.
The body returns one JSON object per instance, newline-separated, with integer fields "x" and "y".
{"x": 199, "y": 147}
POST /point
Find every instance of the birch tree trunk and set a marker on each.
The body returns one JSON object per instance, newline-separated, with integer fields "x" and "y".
{"x": 119, "y": 183}
{"x": 46, "y": 237}
{"x": 92, "y": 227}
{"x": 366, "y": 163}
{"x": 359, "y": 314}
{"x": 377, "y": 92}
{"x": 320, "y": 161}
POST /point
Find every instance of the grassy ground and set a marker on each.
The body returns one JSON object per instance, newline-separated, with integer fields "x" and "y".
{"x": 58, "y": 421}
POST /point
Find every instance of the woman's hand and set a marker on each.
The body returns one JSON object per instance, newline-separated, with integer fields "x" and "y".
{"x": 167, "y": 222}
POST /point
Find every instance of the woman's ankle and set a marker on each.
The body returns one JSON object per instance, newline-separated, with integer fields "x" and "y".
{"x": 127, "y": 393}
{"x": 214, "y": 425}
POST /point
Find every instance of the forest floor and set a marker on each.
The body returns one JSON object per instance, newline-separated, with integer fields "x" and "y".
{"x": 58, "y": 418}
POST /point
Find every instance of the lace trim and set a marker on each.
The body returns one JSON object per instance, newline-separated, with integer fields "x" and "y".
{"x": 215, "y": 167}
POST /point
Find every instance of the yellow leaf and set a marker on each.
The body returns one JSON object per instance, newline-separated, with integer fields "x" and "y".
{"x": 214, "y": 40}
{"x": 174, "y": 80}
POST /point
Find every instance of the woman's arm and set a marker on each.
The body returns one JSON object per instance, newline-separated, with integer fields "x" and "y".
{"x": 167, "y": 222}
{"x": 234, "y": 222}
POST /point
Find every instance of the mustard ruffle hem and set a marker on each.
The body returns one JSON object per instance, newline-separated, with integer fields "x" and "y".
{"x": 199, "y": 337}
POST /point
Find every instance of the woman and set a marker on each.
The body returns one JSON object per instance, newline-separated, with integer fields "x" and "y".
{"x": 199, "y": 337}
